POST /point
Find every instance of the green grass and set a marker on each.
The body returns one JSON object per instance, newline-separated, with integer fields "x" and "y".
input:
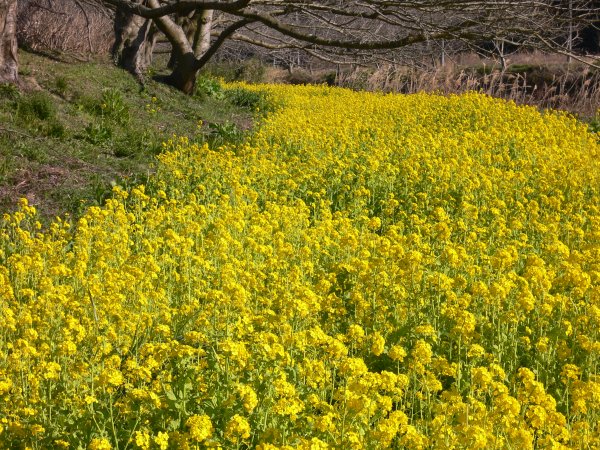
{"x": 80, "y": 128}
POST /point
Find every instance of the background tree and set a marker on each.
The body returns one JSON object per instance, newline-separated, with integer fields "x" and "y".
{"x": 348, "y": 31}
{"x": 64, "y": 27}
{"x": 135, "y": 38}
{"x": 9, "y": 70}
{"x": 72, "y": 26}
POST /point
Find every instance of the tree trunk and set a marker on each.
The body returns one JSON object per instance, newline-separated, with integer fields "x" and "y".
{"x": 184, "y": 74}
{"x": 135, "y": 38}
{"x": 202, "y": 35}
{"x": 192, "y": 25}
{"x": 187, "y": 63}
{"x": 186, "y": 23}
{"x": 186, "y": 66}
{"x": 9, "y": 68}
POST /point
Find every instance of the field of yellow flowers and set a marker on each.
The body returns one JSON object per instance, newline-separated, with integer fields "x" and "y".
{"x": 366, "y": 271}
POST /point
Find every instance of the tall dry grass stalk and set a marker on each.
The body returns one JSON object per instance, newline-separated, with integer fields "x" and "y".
{"x": 64, "y": 26}
{"x": 576, "y": 89}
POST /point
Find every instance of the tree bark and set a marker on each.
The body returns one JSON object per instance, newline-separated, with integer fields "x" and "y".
{"x": 183, "y": 76}
{"x": 189, "y": 55}
{"x": 135, "y": 38}
{"x": 187, "y": 23}
{"x": 185, "y": 66}
{"x": 202, "y": 34}
{"x": 197, "y": 27}
{"x": 9, "y": 67}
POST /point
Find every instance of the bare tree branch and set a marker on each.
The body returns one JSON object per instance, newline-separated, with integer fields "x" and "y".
{"x": 359, "y": 30}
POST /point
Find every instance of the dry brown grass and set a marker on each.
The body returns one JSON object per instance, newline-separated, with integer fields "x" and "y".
{"x": 64, "y": 26}
{"x": 541, "y": 80}
{"x": 545, "y": 83}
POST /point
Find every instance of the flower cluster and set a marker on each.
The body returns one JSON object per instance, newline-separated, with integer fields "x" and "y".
{"x": 365, "y": 271}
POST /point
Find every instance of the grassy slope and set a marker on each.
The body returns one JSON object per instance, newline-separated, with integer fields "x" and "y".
{"x": 81, "y": 127}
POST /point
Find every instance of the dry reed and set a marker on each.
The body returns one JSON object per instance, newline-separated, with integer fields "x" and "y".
{"x": 574, "y": 89}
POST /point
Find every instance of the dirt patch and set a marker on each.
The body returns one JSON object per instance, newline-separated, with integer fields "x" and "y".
{"x": 41, "y": 184}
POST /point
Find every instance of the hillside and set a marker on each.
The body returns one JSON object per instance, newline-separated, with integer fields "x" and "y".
{"x": 366, "y": 271}
{"x": 82, "y": 127}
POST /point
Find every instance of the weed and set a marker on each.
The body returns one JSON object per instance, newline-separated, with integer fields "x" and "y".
{"x": 100, "y": 190}
{"x": 594, "y": 124}
{"x": 6, "y": 169}
{"x": 33, "y": 153}
{"x": 137, "y": 142}
{"x": 577, "y": 91}
{"x": 330, "y": 78}
{"x": 122, "y": 151}
{"x": 154, "y": 106}
{"x": 34, "y": 106}
{"x": 113, "y": 106}
{"x": 209, "y": 87}
{"x": 9, "y": 91}
{"x": 55, "y": 129}
{"x": 61, "y": 85}
{"x": 24, "y": 71}
{"x": 85, "y": 103}
{"x": 252, "y": 71}
{"x": 221, "y": 133}
{"x": 95, "y": 193}
{"x": 98, "y": 133}
{"x": 251, "y": 100}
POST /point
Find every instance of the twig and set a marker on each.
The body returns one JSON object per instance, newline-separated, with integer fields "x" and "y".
{"x": 87, "y": 23}
{"x": 20, "y": 133}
